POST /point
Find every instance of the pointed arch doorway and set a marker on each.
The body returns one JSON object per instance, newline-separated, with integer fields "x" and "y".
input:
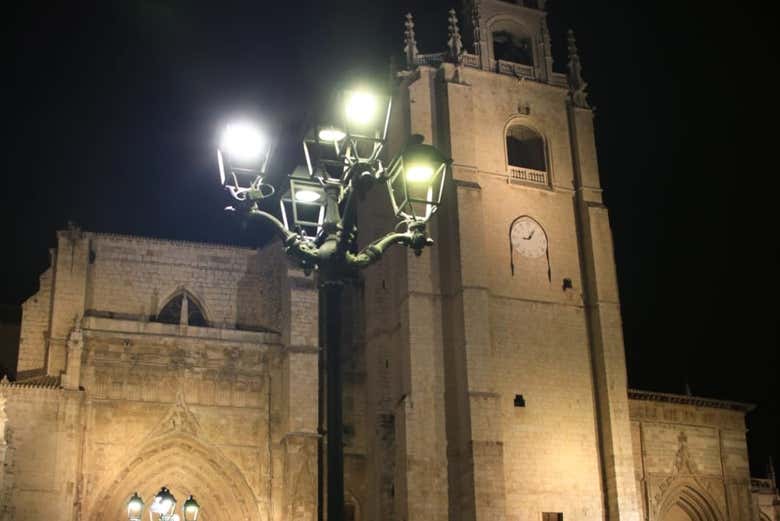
{"x": 689, "y": 502}
{"x": 186, "y": 466}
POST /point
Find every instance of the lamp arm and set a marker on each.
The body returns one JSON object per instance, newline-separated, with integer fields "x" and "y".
{"x": 414, "y": 238}
{"x": 294, "y": 245}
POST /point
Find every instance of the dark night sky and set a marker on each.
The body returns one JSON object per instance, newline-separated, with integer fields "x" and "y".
{"x": 114, "y": 108}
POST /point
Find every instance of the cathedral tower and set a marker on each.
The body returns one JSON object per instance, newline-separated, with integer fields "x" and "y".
{"x": 497, "y": 380}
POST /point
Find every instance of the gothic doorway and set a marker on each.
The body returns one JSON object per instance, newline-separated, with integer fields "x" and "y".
{"x": 689, "y": 502}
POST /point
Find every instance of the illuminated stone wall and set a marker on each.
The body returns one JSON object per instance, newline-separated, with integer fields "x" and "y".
{"x": 114, "y": 401}
{"x": 35, "y": 327}
{"x": 484, "y": 380}
{"x": 691, "y": 453}
{"x": 454, "y": 336}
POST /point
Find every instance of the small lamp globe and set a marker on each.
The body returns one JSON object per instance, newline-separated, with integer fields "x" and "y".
{"x": 135, "y": 507}
{"x": 191, "y": 509}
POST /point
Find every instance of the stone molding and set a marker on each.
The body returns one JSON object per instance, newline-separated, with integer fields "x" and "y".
{"x": 35, "y": 383}
{"x": 177, "y": 440}
{"x": 168, "y": 242}
{"x": 697, "y": 401}
{"x": 114, "y": 326}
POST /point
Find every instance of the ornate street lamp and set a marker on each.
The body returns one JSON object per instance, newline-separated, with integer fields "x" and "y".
{"x": 318, "y": 226}
{"x": 163, "y": 508}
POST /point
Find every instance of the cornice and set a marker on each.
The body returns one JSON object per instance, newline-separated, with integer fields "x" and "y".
{"x": 682, "y": 399}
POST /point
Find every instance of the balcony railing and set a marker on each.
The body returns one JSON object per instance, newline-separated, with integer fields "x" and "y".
{"x": 472, "y": 60}
{"x": 762, "y": 485}
{"x": 519, "y": 174}
{"x": 430, "y": 59}
{"x": 513, "y": 69}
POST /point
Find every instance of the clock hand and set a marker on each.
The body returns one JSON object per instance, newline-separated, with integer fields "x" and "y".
{"x": 529, "y": 237}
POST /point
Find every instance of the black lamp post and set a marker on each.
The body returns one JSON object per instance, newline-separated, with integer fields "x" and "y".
{"x": 318, "y": 226}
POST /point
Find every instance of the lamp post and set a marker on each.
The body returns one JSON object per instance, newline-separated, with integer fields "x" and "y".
{"x": 318, "y": 226}
{"x": 163, "y": 508}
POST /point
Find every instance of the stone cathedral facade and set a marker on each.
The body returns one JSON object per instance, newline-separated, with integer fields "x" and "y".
{"x": 484, "y": 380}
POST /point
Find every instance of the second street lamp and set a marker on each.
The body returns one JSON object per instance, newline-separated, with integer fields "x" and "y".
{"x": 318, "y": 226}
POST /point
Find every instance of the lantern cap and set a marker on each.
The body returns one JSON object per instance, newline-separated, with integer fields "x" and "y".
{"x": 422, "y": 153}
{"x": 190, "y": 502}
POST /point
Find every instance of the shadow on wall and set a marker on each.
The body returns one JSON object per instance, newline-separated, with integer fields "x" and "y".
{"x": 257, "y": 295}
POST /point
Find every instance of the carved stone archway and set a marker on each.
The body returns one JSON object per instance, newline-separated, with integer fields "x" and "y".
{"x": 691, "y": 500}
{"x": 683, "y": 494}
{"x": 186, "y": 466}
{"x": 175, "y": 455}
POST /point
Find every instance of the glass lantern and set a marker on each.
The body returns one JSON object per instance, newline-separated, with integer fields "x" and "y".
{"x": 366, "y": 119}
{"x": 163, "y": 505}
{"x": 325, "y": 150}
{"x": 415, "y": 181}
{"x": 303, "y": 206}
{"x": 243, "y": 156}
{"x": 135, "y": 508}
{"x": 362, "y": 118}
{"x": 190, "y": 509}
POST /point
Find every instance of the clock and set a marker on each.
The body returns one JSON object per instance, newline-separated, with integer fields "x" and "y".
{"x": 528, "y": 238}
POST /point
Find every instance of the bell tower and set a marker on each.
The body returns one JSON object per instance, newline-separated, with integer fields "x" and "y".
{"x": 497, "y": 385}
{"x": 507, "y": 34}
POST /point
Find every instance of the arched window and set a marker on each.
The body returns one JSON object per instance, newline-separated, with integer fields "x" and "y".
{"x": 512, "y": 47}
{"x": 525, "y": 148}
{"x": 183, "y": 309}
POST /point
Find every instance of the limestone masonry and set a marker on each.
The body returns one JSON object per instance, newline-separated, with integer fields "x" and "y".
{"x": 484, "y": 380}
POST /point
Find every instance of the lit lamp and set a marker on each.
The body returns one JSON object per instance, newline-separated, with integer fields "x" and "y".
{"x": 163, "y": 508}
{"x": 365, "y": 114}
{"x": 303, "y": 205}
{"x": 135, "y": 508}
{"x": 164, "y": 504}
{"x": 415, "y": 181}
{"x": 243, "y": 156}
{"x": 325, "y": 149}
{"x": 319, "y": 229}
{"x": 366, "y": 117}
{"x": 334, "y": 151}
{"x": 191, "y": 509}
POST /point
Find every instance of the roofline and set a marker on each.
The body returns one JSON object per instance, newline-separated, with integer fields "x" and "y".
{"x": 198, "y": 244}
{"x": 698, "y": 401}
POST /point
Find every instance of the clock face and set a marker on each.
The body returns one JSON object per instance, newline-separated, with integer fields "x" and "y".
{"x": 528, "y": 238}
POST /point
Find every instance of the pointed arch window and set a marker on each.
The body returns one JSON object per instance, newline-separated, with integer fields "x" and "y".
{"x": 525, "y": 148}
{"x": 183, "y": 309}
{"x": 511, "y": 47}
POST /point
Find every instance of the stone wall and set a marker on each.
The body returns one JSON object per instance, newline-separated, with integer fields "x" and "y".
{"x": 115, "y": 402}
{"x": 766, "y": 498}
{"x": 42, "y": 434}
{"x": 458, "y": 327}
{"x": 150, "y": 397}
{"x": 690, "y": 453}
{"x": 35, "y": 327}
